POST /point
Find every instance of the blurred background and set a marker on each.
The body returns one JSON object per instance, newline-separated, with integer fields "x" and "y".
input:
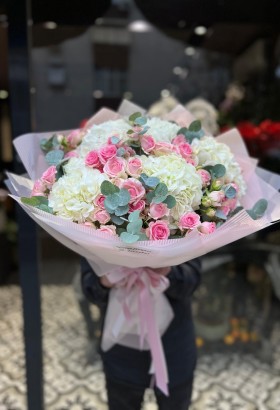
{"x": 59, "y": 63}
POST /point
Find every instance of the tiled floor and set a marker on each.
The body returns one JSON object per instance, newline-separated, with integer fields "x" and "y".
{"x": 224, "y": 381}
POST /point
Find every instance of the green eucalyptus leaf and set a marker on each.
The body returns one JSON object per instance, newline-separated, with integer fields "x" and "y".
{"x": 170, "y": 201}
{"x": 218, "y": 171}
{"x": 142, "y": 237}
{"x": 195, "y": 126}
{"x": 134, "y": 116}
{"x": 120, "y": 152}
{"x": 151, "y": 182}
{"x": 230, "y": 192}
{"x": 220, "y": 214}
{"x": 144, "y": 130}
{"x": 236, "y": 210}
{"x": 191, "y": 135}
{"x": 34, "y": 200}
{"x": 128, "y": 237}
{"x": 112, "y": 201}
{"x": 140, "y": 121}
{"x": 124, "y": 197}
{"x": 116, "y": 220}
{"x": 134, "y": 227}
{"x": 122, "y": 210}
{"x": 134, "y": 216}
{"x": 150, "y": 196}
{"x": 107, "y": 188}
{"x": 182, "y": 130}
{"x": 54, "y": 157}
{"x": 115, "y": 140}
{"x": 161, "y": 190}
{"x": 158, "y": 199}
{"x": 45, "y": 208}
{"x": 129, "y": 132}
{"x": 258, "y": 209}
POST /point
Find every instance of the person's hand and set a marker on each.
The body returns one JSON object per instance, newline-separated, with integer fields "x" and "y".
{"x": 105, "y": 282}
{"x": 162, "y": 271}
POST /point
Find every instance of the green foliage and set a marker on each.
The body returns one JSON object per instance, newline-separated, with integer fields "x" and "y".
{"x": 258, "y": 209}
{"x": 230, "y": 192}
{"x": 115, "y": 140}
{"x": 216, "y": 171}
{"x": 49, "y": 144}
{"x": 149, "y": 182}
{"x": 40, "y": 202}
{"x": 129, "y": 237}
{"x": 193, "y": 131}
{"x": 219, "y": 214}
{"x": 54, "y": 157}
{"x": 170, "y": 201}
{"x": 134, "y": 116}
{"x": 107, "y": 188}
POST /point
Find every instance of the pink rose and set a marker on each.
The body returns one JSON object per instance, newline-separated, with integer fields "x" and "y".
{"x": 205, "y": 177}
{"x": 89, "y": 224}
{"x": 185, "y": 150}
{"x": 225, "y": 210}
{"x": 190, "y": 220}
{"x": 39, "y": 188}
{"x": 216, "y": 197}
{"x": 107, "y": 152}
{"x": 129, "y": 152}
{"x": 71, "y": 154}
{"x": 74, "y": 138}
{"x": 115, "y": 167}
{"x": 134, "y": 166}
{"x": 135, "y": 188}
{"x": 158, "y": 210}
{"x": 179, "y": 139}
{"x": 158, "y": 230}
{"x": 48, "y": 176}
{"x": 147, "y": 143}
{"x": 192, "y": 161}
{"x": 101, "y": 216}
{"x": 99, "y": 201}
{"x": 207, "y": 227}
{"x": 110, "y": 229}
{"x": 92, "y": 160}
{"x": 138, "y": 206}
{"x": 162, "y": 148}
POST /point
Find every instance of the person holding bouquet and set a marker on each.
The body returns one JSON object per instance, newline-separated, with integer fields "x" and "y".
{"x": 127, "y": 369}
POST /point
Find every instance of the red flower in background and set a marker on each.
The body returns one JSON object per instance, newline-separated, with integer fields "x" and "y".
{"x": 248, "y": 130}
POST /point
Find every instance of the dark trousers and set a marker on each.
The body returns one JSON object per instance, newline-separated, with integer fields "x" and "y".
{"x": 126, "y": 397}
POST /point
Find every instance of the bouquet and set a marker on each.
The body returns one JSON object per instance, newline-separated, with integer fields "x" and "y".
{"x": 127, "y": 192}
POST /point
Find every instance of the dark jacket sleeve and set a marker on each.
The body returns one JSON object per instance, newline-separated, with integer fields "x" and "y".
{"x": 184, "y": 279}
{"x": 91, "y": 286}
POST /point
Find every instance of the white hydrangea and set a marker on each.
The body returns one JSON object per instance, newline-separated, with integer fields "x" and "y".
{"x": 73, "y": 194}
{"x": 211, "y": 152}
{"x": 181, "y": 179}
{"x": 162, "y": 130}
{"x": 98, "y": 135}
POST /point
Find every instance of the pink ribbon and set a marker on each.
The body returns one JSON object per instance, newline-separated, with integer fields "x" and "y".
{"x": 148, "y": 282}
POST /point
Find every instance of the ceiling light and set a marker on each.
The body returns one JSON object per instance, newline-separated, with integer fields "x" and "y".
{"x": 98, "y": 93}
{"x": 50, "y": 25}
{"x": 139, "y": 26}
{"x": 200, "y": 30}
{"x": 190, "y": 51}
{"x": 4, "y": 94}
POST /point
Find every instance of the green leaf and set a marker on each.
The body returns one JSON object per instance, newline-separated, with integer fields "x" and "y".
{"x": 120, "y": 152}
{"x": 230, "y": 192}
{"x": 170, "y": 201}
{"x": 124, "y": 197}
{"x": 112, "y": 201}
{"x": 144, "y": 130}
{"x": 195, "y": 126}
{"x": 161, "y": 190}
{"x": 142, "y": 237}
{"x": 128, "y": 237}
{"x": 151, "y": 182}
{"x": 134, "y": 216}
{"x": 182, "y": 130}
{"x": 129, "y": 132}
{"x": 45, "y": 208}
{"x": 133, "y": 116}
{"x": 107, "y": 188}
{"x": 134, "y": 227}
{"x": 35, "y": 200}
{"x": 54, "y": 157}
{"x": 258, "y": 209}
{"x": 150, "y": 196}
{"x": 236, "y": 210}
{"x": 121, "y": 210}
{"x": 219, "y": 214}
{"x": 191, "y": 135}
{"x": 140, "y": 121}
{"x": 218, "y": 171}
{"x": 115, "y": 140}
{"x": 158, "y": 199}
{"x": 120, "y": 230}
{"x": 116, "y": 220}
